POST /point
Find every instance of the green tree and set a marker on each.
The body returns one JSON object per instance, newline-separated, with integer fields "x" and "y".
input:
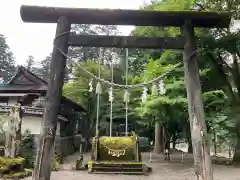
{"x": 88, "y": 53}
{"x": 44, "y": 67}
{"x": 217, "y": 45}
{"x": 7, "y": 62}
{"x": 30, "y": 63}
{"x": 78, "y": 90}
{"x": 28, "y": 149}
{"x": 160, "y": 108}
{"x": 222, "y": 48}
{"x": 83, "y": 53}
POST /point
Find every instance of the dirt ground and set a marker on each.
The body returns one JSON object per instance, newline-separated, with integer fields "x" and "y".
{"x": 174, "y": 170}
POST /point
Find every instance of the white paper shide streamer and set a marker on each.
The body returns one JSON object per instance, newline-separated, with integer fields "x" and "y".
{"x": 162, "y": 89}
{"x": 154, "y": 90}
{"x": 91, "y": 85}
{"x": 126, "y": 97}
{"x": 110, "y": 93}
{"x": 144, "y": 95}
{"x": 98, "y": 88}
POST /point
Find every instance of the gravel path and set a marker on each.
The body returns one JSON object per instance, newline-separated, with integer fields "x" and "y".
{"x": 161, "y": 171}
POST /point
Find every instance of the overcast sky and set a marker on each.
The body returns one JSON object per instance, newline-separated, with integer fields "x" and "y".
{"x": 36, "y": 39}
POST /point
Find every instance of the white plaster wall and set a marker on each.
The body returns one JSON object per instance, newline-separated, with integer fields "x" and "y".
{"x": 3, "y": 103}
{"x": 34, "y": 124}
{"x": 12, "y": 101}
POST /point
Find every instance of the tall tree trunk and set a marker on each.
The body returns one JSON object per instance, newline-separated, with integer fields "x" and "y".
{"x": 190, "y": 148}
{"x": 157, "y": 141}
{"x": 215, "y": 142}
{"x": 162, "y": 138}
{"x": 19, "y": 131}
{"x": 7, "y": 149}
{"x": 174, "y": 141}
{"x": 236, "y": 157}
{"x": 236, "y": 78}
{"x": 189, "y": 140}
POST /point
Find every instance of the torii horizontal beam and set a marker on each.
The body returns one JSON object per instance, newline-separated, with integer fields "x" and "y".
{"x": 127, "y": 41}
{"x": 40, "y": 14}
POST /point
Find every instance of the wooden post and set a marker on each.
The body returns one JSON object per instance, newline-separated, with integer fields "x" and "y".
{"x": 47, "y": 137}
{"x": 157, "y": 142}
{"x": 200, "y": 141}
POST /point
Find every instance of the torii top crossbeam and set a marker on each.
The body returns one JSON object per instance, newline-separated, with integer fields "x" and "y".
{"x": 40, "y": 14}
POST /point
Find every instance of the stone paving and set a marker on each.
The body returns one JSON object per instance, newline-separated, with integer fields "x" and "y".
{"x": 174, "y": 170}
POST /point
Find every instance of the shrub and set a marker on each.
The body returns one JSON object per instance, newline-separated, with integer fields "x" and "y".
{"x": 27, "y": 149}
{"x": 8, "y": 161}
{"x": 13, "y": 168}
{"x": 55, "y": 164}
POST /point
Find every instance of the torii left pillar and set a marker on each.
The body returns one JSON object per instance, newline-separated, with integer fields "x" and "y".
{"x": 43, "y": 166}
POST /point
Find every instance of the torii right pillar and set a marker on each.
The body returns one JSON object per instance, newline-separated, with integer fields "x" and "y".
{"x": 200, "y": 141}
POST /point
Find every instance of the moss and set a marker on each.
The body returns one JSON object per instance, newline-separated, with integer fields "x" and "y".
{"x": 28, "y": 170}
{"x": 13, "y": 168}
{"x": 11, "y": 165}
{"x": 117, "y": 142}
{"x": 17, "y": 175}
{"x": 55, "y": 164}
{"x": 115, "y": 149}
{"x": 8, "y": 161}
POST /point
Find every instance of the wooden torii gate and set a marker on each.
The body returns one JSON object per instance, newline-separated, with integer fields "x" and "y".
{"x": 64, "y": 17}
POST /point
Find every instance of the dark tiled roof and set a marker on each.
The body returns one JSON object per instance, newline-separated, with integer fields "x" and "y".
{"x": 29, "y": 75}
{"x": 37, "y": 85}
{"x": 12, "y": 87}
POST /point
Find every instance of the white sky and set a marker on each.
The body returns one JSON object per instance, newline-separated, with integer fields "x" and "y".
{"x": 36, "y": 39}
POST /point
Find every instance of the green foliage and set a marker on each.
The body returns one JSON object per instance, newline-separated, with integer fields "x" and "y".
{"x": 28, "y": 149}
{"x": 13, "y": 168}
{"x": 78, "y": 90}
{"x": 173, "y": 105}
{"x": 115, "y": 145}
{"x": 174, "y": 101}
{"x": 217, "y": 75}
{"x": 17, "y": 175}
{"x": 144, "y": 144}
{"x": 2, "y": 135}
{"x": 44, "y": 69}
{"x": 30, "y": 63}
{"x": 7, "y": 161}
{"x": 7, "y": 62}
{"x": 55, "y": 164}
{"x": 219, "y": 46}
